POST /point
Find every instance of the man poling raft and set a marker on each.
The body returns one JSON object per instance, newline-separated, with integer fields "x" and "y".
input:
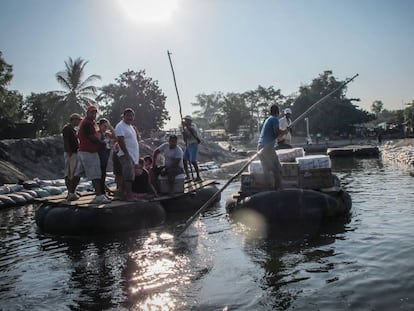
{"x": 308, "y": 191}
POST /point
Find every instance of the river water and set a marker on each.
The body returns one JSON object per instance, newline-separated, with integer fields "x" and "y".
{"x": 362, "y": 263}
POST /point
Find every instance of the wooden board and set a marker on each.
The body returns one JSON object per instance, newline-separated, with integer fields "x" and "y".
{"x": 86, "y": 198}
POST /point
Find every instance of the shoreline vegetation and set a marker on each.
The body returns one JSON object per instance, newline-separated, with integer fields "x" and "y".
{"x": 26, "y": 159}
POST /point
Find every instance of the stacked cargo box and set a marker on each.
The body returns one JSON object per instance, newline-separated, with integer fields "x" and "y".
{"x": 297, "y": 170}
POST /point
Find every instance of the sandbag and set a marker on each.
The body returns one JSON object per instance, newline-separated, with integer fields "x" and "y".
{"x": 30, "y": 184}
{"x": 31, "y": 192}
{"x": 27, "y": 196}
{"x": 53, "y": 190}
{"x": 19, "y": 199}
{"x": 7, "y": 201}
{"x": 41, "y": 193}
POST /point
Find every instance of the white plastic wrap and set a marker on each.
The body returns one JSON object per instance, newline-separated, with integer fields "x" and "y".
{"x": 313, "y": 162}
{"x": 289, "y": 155}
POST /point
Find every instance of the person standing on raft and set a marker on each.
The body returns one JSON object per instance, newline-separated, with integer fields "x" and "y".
{"x": 284, "y": 141}
{"x": 192, "y": 140}
{"x": 89, "y": 164}
{"x": 71, "y": 146}
{"x": 268, "y": 157}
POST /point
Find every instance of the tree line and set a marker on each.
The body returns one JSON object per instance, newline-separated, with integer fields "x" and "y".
{"x": 48, "y": 111}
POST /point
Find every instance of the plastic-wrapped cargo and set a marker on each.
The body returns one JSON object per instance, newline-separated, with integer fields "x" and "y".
{"x": 289, "y": 155}
{"x": 255, "y": 167}
{"x": 178, "y": 184}
{"x": 313, "y": 162}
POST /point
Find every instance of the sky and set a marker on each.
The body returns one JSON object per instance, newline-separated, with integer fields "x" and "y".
{"x": 216, "y": 45}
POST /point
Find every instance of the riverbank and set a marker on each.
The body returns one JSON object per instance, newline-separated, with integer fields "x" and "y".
{"x": 24, "y": 159}
{"x": 399, "y": 151}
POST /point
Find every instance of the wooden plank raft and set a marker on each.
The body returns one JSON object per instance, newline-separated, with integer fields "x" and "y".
{"x": 86, "y": 198}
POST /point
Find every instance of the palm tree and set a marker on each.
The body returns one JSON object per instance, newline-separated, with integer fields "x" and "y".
{"x": 78, "y": 94}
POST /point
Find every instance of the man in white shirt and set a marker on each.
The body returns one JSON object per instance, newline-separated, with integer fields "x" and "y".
{"x": 128, "y": 153}
{"x": 173, "y": 155}
{"x": 284, "y": 140}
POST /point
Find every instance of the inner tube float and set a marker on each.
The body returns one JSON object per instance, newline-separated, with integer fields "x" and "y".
{"x": 190, "y": 202}
{"x": 294, "y": 205}
{"x": 72, "y": 220}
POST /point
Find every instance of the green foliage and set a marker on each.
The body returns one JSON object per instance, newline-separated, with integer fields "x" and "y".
{"x": 208, "y": 114}
{"x": 376, "y": 107}
{"x": 258, "y": 102}
{"x": 335, "y": 115}
{"x": 234, "y": 112}
{"x": 44, "y": 110}
{"x": 134, "y": 90}
{"x": 78, "y": 94}
{"x": 10, "y": 101}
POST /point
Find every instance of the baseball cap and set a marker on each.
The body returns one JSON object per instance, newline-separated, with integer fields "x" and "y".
{"x": 75, "y": 116}
{"x": 188, "y": 117}
{"x": 288, "y": 110}
{"x": 92, "y": 108}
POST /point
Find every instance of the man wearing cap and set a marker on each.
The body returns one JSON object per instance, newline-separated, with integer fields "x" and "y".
{"x": 128, "y": 153}
{"x": 70, "y": 146}
{"x": 88, "y": 158}
{"x": 192, "y": 139}
{"x": 284, "y": 140}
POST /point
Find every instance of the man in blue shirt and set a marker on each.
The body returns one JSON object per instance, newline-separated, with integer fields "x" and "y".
{"x": 268, "y": 157}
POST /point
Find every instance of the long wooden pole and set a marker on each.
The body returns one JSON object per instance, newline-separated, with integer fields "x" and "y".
{"x": 322, "y": 100}
{"x": 215, "y": 195}
{"x": 175, "y": 84}
{"x": 179, "y": 104}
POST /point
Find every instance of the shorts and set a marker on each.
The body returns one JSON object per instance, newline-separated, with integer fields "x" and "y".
{"x": 191, "y": 152}
{"x": 89, "y": 165}
{"x": 70, "y": 164}
{"x": 128, "y": 168}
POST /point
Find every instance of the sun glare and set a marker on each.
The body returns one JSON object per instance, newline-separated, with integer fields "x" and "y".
{"x": 149, "y": 10}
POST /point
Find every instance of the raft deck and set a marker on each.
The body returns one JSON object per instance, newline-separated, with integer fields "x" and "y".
{"x": 86, "y": 198}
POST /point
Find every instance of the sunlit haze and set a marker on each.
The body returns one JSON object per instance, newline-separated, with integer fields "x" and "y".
{"x": 149, "y": 10}
{"x": 216, "y": 45}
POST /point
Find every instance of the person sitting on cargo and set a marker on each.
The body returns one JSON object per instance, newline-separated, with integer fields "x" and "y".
{"x": 284, "y": 140}
{"x": 266, "y": 145}
{"x": 141, "y": 186}
{"x": 173, "y": 155}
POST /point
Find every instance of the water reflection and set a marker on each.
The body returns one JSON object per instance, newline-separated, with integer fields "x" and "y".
{"x": 215, "y": 264}
{"x": 290, "y": 255}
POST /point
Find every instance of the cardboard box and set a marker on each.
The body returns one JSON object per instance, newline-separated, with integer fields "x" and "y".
{"x": 255, "y": 182}
{"x": 316, "y": 178}
{"x": 255, "y": 167}
{"x": 290, "y": 169}
{"x": 178, "y": 184}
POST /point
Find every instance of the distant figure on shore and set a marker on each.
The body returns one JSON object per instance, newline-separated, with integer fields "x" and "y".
{"x": 89, "y": 164}
{"x": 268, "y": 157}
{"x": 192, "y": 139}
{"x": 379, "y": 138}
{"x": 70, "y": 146}
{"x": 284, "y": 140}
